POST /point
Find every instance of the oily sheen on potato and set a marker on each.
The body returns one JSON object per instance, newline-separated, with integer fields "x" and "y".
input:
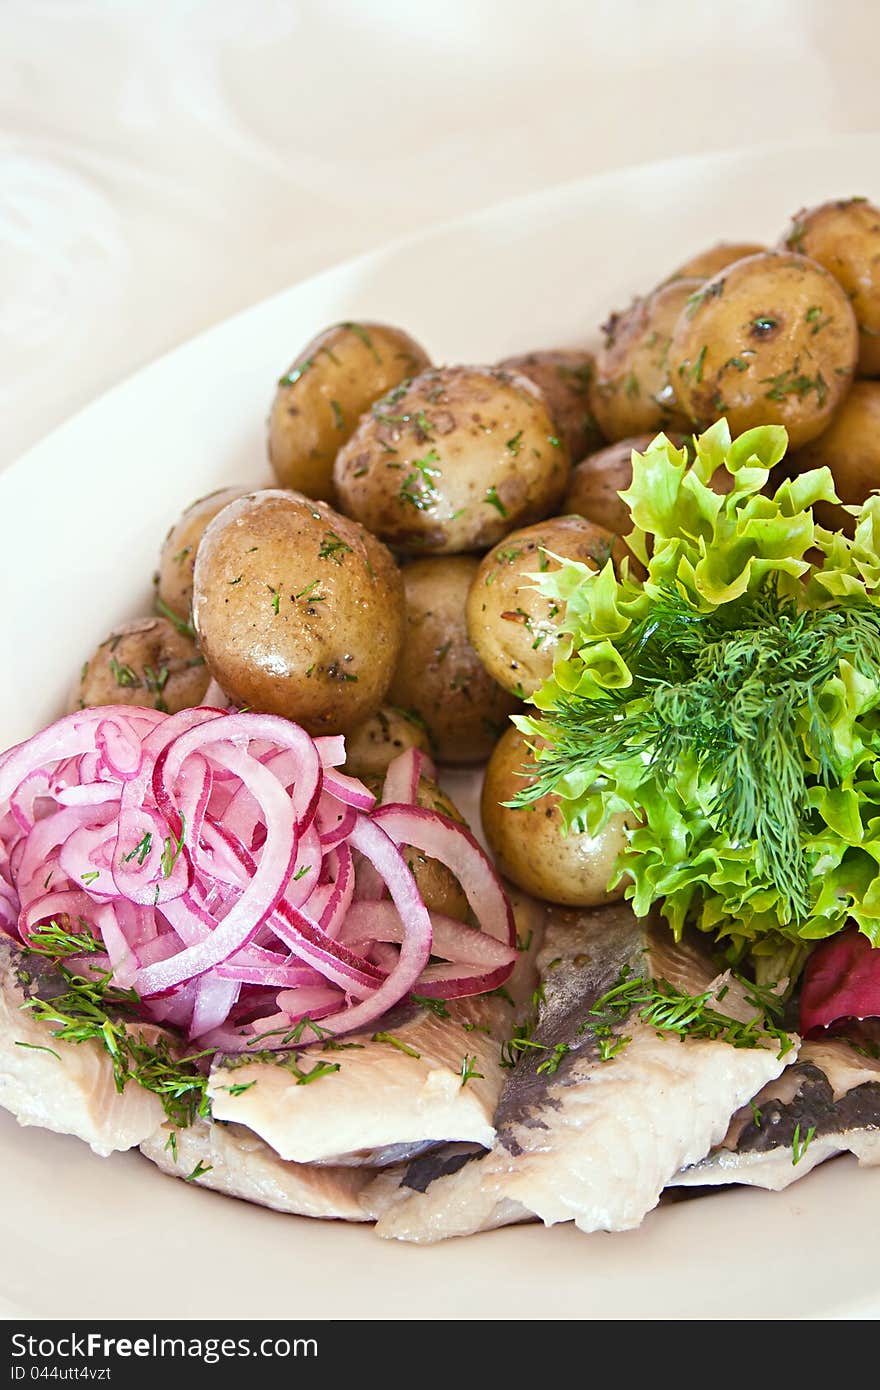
{"x": 322, "y": 395}
{"x": 770, "y": 341}
{"x": 298, "y": 611}
{"x": 632, "y": 392}
{"x": 528, "y": 842}
{"x": 452, "y": 461}
{"x": 844, "y": 237}
{"x": 513, "y": 628}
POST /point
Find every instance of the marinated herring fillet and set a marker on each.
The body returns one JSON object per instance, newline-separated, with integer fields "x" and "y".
{"x": 583, "y": 1139}
{"x": 232, "y": 1160}
{"x": 826, "y": 1103}
{"x": 427, "y": 1075}
{"x": 63, "y": 1086}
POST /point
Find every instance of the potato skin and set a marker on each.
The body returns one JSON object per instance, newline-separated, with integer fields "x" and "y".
{"x": 597, "y": 480}
{"x": 452, "y": 461}
{"x": 323, "y": 394}
{"x": 771, "y": 341}
{"x": 529, "y": 845}
{"x": 566, "y": 378}
{"x": 844, "y": 237}
{"x": 513, "y": 628}
{"x": 299, "y": 611}
{"x": 439, "y": 676}
{"x": 371, "y": 746}
{"x": 177, "y": 559}
{"x": 718, "y": 257}
{"x": 632, "y": 392}
{"x": 850, "y": 447}
{"x": 439, "y": 888}
{"x": 148, "y": 663}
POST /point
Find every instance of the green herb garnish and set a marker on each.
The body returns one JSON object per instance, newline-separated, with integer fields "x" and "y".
{"x": 435, "y": 1006}
{"x": 419, "y": 489}
{"x": 469, "y": 1070}
{"x": 293, "y": 376}
{"x": 730, "y": 701}
{"x": 395, "y": 1042}
{"x": 93, "y": 1009}
{"x": 184, "y": 627}
{"x": 364, "y": 336}
{"x": 123, "y": 675}
{"x": 493, "y": 500}
{"x": 333, "y": 548}
{"x": 795, "y": 383}
{"x": 199, "y": 1171}
{"x": 141, "y": 849}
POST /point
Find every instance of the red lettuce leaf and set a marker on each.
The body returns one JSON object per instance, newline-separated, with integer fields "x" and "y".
{"x": 841, "y": 980}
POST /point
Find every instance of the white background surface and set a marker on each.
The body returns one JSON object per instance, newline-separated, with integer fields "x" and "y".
{"x": 164, "y": 163}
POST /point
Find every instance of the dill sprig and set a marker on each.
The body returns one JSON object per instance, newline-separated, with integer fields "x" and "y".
{"x": 663, "y": 1008}
{"x": 736, "y": 693}
{"x": 668, "y": 1010}
{"x": 799, "y": 1146}
{"x": 84, "y": 1009}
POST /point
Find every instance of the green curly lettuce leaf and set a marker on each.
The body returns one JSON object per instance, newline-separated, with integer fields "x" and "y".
{"x": 727, "y": 700}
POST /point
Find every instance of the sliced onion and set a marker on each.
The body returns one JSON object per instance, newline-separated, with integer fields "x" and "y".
{"x": 375, "y": 845}
{"x": 444, "y": 839}
{"x": 232, "y": 876}
{"x": 404, "y": 773}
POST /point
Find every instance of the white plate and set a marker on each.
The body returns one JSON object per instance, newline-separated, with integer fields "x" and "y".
{"x": 81, "y": 519}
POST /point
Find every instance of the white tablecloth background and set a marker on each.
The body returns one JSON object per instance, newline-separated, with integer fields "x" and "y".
{"x": 164, "y": 163}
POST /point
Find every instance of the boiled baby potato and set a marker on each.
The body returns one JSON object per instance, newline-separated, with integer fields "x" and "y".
{"x": 437, "y": 884}
{"x": 529, "y": 845}
{"x": 850, "y": 447}
{"x": 565, "y": 376}
{"x": 771, "y": 341}
{"x": 452, "y": 461}
{"x": 514, "y": 629}
{"x": 440, "y": 890}
{"x": 595, "y": 483}
{"x": 326, "y": 390}
{"x": 439, "y": 677}
{"x": 298, "y": 610}
{"x": 149, "y": 663}
{"x": 632, "y": 392}
{"x": 844, "y": 237}
{"x": 718, "y": 257}
{"x": 371, "y": 746}
{"x": 178, "y": 557}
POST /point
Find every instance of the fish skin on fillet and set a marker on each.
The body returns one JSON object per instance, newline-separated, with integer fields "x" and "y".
{"x": 594, "y": 1142}
{"x": 232, "y": 1160}
{"x": 386, "y": 1094}
{"x": 832, "y": 1090}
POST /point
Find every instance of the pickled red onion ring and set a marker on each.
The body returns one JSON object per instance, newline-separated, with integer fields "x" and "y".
{"x": 231, "y": 875}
